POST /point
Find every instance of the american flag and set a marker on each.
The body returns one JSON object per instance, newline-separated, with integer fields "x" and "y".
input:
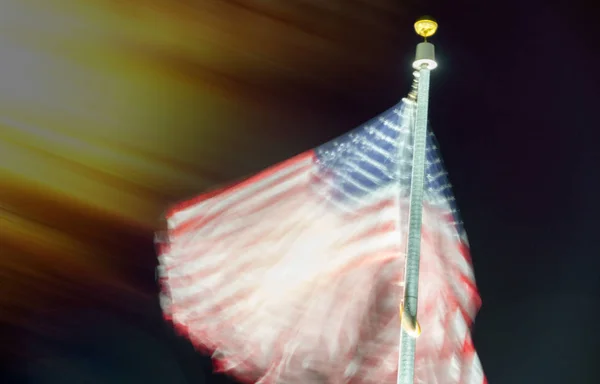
{"x": 295, "y": 275}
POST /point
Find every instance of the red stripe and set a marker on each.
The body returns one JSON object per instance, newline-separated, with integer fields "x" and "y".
{"x": 240, "y": 185}
{"x": 195, "y": 253}
{"x": 370, "y": 232}
{"x": 383, "y": 255}
{"x": 374, "y": 208}
{"x": 240, "y": 247}
{"x": 200, "y": 220}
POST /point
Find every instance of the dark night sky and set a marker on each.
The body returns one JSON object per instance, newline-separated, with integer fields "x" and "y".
{"x": 514, "y": 106}
{"x": 522, "y": 152}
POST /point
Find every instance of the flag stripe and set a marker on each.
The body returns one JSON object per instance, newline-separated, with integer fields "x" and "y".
{"x": 254, "y": 185}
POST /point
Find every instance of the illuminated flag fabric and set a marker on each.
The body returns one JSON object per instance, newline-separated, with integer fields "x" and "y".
{"x": 295, "y": 274}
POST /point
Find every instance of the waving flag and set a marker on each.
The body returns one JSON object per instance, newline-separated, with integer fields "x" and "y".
{"x": 295, "y": 274}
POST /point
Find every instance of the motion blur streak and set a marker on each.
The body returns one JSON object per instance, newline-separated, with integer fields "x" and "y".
{"x": 111, "y": 110}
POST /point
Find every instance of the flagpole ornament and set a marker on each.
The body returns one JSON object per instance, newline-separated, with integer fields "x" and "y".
{"x": 425, "y": 27}
{"x": 424, "y": 63}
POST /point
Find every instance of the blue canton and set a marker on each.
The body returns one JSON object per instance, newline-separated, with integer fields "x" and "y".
{"x": 378, "y": 154}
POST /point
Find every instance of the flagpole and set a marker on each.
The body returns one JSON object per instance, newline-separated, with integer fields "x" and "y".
{"x": 424, "y": 63}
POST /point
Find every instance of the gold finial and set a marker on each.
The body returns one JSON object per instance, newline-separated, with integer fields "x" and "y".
{"x": 426, "y": 27}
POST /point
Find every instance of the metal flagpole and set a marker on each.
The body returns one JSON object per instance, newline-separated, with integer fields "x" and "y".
{"x": 424, "y": 63}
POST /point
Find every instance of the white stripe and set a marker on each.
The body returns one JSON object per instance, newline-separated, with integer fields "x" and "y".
{"x": 230, "y": 198}
{"x": 291, "y": 253}
{"x": 221, "y": 253}
{"x": 476, "y": 374}
{"x": 231, "y": 220}
{"x": 345, "y": 257}
{"x": 272, "y": 221}
{"x": 266, "y": 229}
